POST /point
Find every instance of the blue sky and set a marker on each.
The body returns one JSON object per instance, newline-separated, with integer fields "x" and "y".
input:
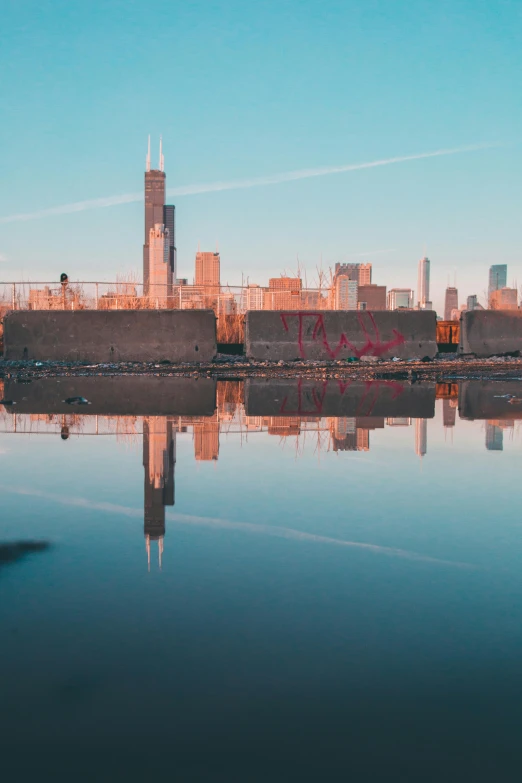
{"x": 245, "y": 90}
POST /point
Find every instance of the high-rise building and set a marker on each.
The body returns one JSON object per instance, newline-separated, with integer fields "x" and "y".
{"x": 423, "y": 285}
{"x": 361, "y": 273}
{"x": 449, "y": 412}
{"x": 472, "y": 302}
{"x": 371, "y": 297}
{"x": 169, "y": 220}
{"x": 504, "y": 299}
{"x": 206, "y": 439}
{"x": 160, "y": 271}
{"x": 345, "y": 293}
{"x": 207, "y": 270}
{"x": 255, "y": 296}
{"x": 157, "y": 213}
{"x": 451, "y": 302}
{"x": 497, "y": 279}
{"x": 284, "y": 293}
{"x": 400, "y": 299}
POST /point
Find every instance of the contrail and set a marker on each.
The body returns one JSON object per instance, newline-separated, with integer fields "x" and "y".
{"x": 236, "y": 184}
{"x": 224, "y": 524}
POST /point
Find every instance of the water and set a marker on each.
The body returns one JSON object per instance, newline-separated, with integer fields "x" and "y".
{"x": 271, "y": 596}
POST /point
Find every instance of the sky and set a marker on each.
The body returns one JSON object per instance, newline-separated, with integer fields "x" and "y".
{"x": 244, "y": 93}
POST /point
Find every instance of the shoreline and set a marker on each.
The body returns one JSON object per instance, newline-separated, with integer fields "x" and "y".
{"x": 442, "y": 369}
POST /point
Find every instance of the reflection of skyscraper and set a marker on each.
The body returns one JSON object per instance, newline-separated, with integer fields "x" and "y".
{"x": 449, "y": 412}
{"x": 159, "y": 457}
{"x": 494, "y": 437}
{"x": 423, "y": 284}
{"x": 206, "y": 439}
{"x": 421, "y": 437}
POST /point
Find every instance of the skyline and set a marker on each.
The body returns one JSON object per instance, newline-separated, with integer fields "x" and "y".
{"x": 337, "y": 83}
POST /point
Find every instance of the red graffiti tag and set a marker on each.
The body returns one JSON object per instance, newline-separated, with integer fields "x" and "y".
{"x": 373, "y": 346}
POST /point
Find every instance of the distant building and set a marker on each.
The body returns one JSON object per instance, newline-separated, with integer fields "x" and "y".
{"x": 504, "y": 299}
{"x": 400, "y": 299}
{"x": 169, "y": 221}
{"x": 159, "y": 457}
{"x": 255, "y": 297}
{"x": 371, "y": 297}
{"x": 472, "y": 302}
{"x": 423, "y": 286}
{"x": 159, "y": 269}
{"x": 360, "y": 273}
{"x": 154, "y": 208}
{"x": 207, "y": 269}
{"x": 497, "y": 279}
{"x": 345, "y": 293}
{"x": 206, "y": 439}
{"x": 451, "y": 302}
{"x": 449, "y": 412}
{"x": 284, "y": 293}
{"x": 398, "y": 421}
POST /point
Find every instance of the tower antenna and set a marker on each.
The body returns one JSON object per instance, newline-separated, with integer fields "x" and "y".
{"x": 161, "y": 160}
{"x": 147, "y": 161}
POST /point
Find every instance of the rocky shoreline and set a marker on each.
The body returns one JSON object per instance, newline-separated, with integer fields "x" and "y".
{"x": 445, "y": 368}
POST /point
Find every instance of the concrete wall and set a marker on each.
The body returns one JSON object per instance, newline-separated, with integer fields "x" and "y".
{"x": 490, "y": 332}
{"x": 128, "y": 395}
{"x": 498, "y": 400}
{"x": 335, "y": 334}
{"x": 302, "y": 397}
{"x": 113, "y": 336}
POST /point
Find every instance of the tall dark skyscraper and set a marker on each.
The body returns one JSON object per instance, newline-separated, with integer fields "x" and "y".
{"x": 157, "y": 212}
{"x": 159, "y": 457}
{"x": 497, "y": 279}
{"x": 451, "y": 302}
{"x": 169, "y": 219}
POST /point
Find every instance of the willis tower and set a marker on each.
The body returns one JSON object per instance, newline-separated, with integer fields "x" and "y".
{"x": 157, "y": 213}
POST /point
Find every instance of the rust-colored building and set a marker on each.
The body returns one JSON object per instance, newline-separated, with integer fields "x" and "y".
{"x": 371, "y": 297}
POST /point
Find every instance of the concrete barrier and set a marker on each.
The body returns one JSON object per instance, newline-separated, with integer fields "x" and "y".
{"x": 113, "y": 336}
{"x": 130, "y": 395}
{"x": 490, "y": 332}
{"x": 303, "y": 397}
{"x": 337, "y": 334}
{"x": 498, "y": 400}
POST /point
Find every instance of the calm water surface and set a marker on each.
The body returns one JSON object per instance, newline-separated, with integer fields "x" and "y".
{"x": 296, "y": 582}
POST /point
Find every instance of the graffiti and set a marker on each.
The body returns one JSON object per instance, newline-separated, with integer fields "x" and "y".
{"x": 372, "y": 347}
{"x": 310, "y": 401}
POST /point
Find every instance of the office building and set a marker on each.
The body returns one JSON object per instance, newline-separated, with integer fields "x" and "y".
{"x": 451, "y": 302}
{"x": 400, "y": 299}
{"x": 160, "y": 272}
{"x": 157, "y": 213}
{"x": 206, "y": 439}
{"x": 361, "y": 273}
{"x": 371, "y": 297}
{"x": 345, "y": 293}
{"x": 497, "y": 279}
{"x": 423, "y": 285}
{"x": 255, "y": 297}
{"x": 207, "y": 270}
{"x": 494, "y": 437}
{"x": 472, "y": 302}
{"x": 504, "y": 299}
{"x": 449, "y": 412}
{"x": 284, "y": 293}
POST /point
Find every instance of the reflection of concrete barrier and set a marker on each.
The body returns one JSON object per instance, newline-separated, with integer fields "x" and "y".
{"x": 303, "y": 397}
{"x": 337, "y": 334}
{"x": 490, "y": 400}
{"x": 114, "y": 336}
{"x": 128, "y": 395}
{"x": 491, "y": 332}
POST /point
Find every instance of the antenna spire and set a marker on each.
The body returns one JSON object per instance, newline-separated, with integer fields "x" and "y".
{"x": 147, "y": 161}
{"x": 161, "y": 159}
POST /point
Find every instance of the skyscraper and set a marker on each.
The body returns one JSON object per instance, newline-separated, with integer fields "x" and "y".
{"x": 160, "y": 272}
{"x": 400, "y": 298}
{"x": 423, "y": 286}
{"x": 157, "y": 213}
{"x": 361, "y": 273}
{"x": 421, "y": 437}
{"x": 207, "y": 272}
{"x": 345, "y": 292}
{"x": 451, "y": 302}
{"x": 497, "y": 279}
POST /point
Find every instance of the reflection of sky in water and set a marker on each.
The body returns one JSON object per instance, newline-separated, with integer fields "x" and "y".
{"x": 344, "y": 598}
